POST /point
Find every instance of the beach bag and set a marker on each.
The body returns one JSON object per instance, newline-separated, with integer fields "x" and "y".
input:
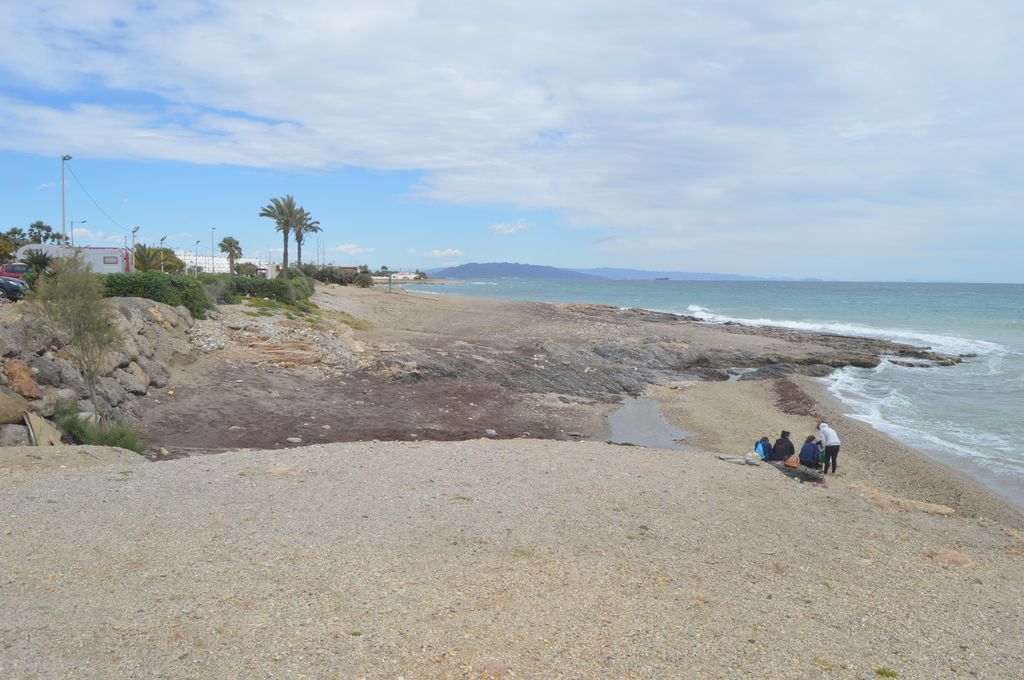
{"x": 793, "y": 461}
{"x": 821, "y": 456}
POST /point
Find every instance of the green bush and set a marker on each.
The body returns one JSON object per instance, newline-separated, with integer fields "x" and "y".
{"x": 302, "y": 287}
{"x": 275, "y": 289}
{"x": 100, "y": 434}
{"x": 171, "y": 289}
{"x": 363, "y": 280}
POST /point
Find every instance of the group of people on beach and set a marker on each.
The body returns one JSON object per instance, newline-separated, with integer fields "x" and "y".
{"x": 816, "y": 453}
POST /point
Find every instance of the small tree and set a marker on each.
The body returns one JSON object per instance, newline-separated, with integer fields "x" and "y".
{"x": 246, "y": 269}
{"x": 230, "y": 246}
{"x": 71, "y": 308}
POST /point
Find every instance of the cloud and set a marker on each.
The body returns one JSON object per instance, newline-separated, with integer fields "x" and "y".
{"x": 686, "y": 121}
{"x": 46, "y": 185}
{"x": 351, "y": 249}
{"x": 448, "y": 252}
{"x": 506, "y": 229}
{"x": 84, "y": 236}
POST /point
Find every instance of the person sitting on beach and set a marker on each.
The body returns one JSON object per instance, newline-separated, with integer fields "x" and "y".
{"x": 830, "y": 440}
{"x": 763, "y": 448}
{"x": 809, "y": 453}
{"x": 783, "y": 448}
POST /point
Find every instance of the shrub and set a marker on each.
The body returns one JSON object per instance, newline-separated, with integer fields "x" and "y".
{"x": 363, "y": 280}
{"x": 275, "y": 289}
{"x": 171, "y": 289}
{"x": 302, "y": 287}
{"x": 71, "y": 308}
{"x": 101, "y": 434}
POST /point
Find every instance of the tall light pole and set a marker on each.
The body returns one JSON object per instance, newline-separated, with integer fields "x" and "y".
{"x": 196, "y": 266}
{"x": 212, "y": 229}
{"x": 135, "y": 230}
{"x": 162, "y": 239}
{"x": 73, "y": 232}
{"x": 63, "y": 159}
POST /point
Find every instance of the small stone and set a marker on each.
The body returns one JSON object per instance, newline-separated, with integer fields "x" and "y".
{"x": 294, "y": 440}
{"x": 164, "y": 452}
{"x": 234, "y": 428}
{"x": 573, "y": 434}
{"x": 490, "y": 433}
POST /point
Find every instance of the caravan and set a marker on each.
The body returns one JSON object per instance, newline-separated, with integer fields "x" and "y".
{"x": 100, "y": 260}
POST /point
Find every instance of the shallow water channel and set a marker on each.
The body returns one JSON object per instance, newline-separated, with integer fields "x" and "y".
{"x": 640, "y": 422}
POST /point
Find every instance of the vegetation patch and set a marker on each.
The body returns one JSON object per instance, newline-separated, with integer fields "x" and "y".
{"x": 884, "y": 672}
{"x": 101, "y": 434}
{"x": 347, "y": 319}
{"x": 170, "y": 289}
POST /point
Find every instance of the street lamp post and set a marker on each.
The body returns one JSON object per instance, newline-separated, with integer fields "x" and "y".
{"x": 63, "y": 159}
{"x": 196, "y": 265}
{"x": 212, "y": 229}
{"x": 135, "y": 230}
{"x": 162, "y": 239}
{"x": 73, "y": 232}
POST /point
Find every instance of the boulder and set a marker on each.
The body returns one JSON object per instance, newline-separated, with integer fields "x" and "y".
{"x": 44, "y": 370}
{"x": 70, "y": 377}
{"x": 129, "y": 381}
{"x": 137, "y": 371}
{"x": 12, "y": 406}
{"x": 14, "y": 435}
{"x": 52, "y": 398}
{"x": 20, "y": 379}
{"x": 110, "y": 391}
{"x": 145, "y": 347}
{"x": 158, "y": 375}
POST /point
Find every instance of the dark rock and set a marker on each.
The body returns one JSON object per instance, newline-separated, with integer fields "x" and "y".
{"x": 158, "y": 375}
{"x": 14, "y": 435}
{"x": 110, "y": 391}
{"x": 129, "y": 382}
{"x": 45, "y": 370}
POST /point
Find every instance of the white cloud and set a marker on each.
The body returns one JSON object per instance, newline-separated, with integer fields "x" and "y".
{"x": 351, "y": 249}
{"x": 679, "y": 118}
{"x": 85, "y": 237}
{"x": 506, "y": 229}
{"x": 46, "y": 185}
{"x": 448, "y": 252}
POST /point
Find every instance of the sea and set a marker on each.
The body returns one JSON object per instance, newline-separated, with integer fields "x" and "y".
{"x": 969, "y": 416}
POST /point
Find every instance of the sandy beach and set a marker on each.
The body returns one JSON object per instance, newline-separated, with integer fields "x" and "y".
{"x": 412, "y": 543}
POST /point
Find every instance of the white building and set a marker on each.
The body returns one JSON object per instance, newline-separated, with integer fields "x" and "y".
{"x": 218, "y": 264}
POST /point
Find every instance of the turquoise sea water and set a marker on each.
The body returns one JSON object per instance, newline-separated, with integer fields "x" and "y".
{"x": 968, "y": 416}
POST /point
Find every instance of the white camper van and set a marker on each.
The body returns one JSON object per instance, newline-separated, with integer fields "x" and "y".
{"x": 101, "y": 260}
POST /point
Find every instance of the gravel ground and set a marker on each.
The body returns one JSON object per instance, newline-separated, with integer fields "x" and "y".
{"x": 510, "y": 558}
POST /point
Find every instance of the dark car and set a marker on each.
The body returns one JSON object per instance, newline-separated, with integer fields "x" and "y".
{"x": 12, "y": 289}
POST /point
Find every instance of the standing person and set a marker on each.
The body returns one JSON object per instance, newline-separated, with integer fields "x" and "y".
{"x": 809, "y": 454}
{"x": 783, "y": 448}
{"x": 830, "y": 440}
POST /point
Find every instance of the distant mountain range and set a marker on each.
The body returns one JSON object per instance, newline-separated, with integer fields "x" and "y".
{"x": 514, "y": 270}
{"x": 507, "y": 270}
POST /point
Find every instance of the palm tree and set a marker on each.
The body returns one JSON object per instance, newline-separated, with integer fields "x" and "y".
{"x": 230, "y": 246}
{"x": 286, "y": 215}
{"x": 306, "y": 225}
{"x": 38, "y": 261}
{"x": 147, "y": 258}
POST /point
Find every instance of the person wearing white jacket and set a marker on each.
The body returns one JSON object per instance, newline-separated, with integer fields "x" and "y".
{"x": 830, "y": 440}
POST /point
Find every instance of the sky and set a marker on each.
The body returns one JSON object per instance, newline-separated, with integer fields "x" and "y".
{"x": 865, "y": 140}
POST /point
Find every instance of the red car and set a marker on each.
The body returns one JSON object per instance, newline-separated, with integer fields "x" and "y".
{"x": 15, "y": 270}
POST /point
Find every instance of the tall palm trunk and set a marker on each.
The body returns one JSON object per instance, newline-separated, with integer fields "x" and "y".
{"x": 298, "y": 252}
{"x": 284, "y": 257}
